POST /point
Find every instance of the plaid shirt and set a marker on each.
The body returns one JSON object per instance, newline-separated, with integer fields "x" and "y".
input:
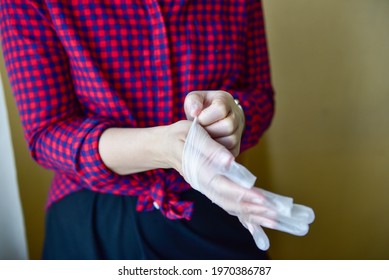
{"x": 78, "y": 67}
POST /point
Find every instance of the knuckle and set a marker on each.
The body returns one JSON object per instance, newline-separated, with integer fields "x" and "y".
{"x": 232, "y": 141}
{"x": 244, "y": 208}
{"x": 221, "y": 107}
{"x": 215, "y": 182}
{"x": 230, "y": 127}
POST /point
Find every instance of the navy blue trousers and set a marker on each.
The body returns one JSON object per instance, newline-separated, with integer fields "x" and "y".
{"x": 90, "y": 225}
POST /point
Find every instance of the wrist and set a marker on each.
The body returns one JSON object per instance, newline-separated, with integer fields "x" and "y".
{"x": 132, "y": 150}
{"x": 174, "y": 138}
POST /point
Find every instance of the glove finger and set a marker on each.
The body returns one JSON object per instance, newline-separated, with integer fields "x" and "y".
{"x": 233, "y": 198}
{"x": 298, "y": 229}
{"x": 259, "y": 236}
{"x": 285, "y": 224}
{"x": 239, "y": 174}
{"x": 300, "y": 214}
{"x": 279, "y": 203}
{"x": 281, "y": 223}
{"x": 303, "y": 213}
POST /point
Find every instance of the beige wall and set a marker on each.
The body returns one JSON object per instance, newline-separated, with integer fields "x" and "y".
{"x": 328, "y": 146}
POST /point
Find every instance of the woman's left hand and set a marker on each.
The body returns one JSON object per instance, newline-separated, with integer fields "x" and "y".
{"x": 219, "y": 114}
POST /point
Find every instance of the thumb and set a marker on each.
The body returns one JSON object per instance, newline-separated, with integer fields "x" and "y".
{"x": 193, "y": 104}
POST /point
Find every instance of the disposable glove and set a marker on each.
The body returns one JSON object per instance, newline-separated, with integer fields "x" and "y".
{"x": 212, "y": 170}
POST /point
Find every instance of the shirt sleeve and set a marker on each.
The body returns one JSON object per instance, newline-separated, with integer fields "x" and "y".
{"x": 60, "y": 135}
{"x": 255, "y": 93}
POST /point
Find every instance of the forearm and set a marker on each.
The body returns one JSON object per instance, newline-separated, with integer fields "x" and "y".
{"x": 132, "y": 150}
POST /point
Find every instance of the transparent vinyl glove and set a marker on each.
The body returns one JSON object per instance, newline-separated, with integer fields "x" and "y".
{"x": 212, "y": 170}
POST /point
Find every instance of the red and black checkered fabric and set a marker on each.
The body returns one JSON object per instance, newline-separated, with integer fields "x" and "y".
{"x": 78, "y": 67}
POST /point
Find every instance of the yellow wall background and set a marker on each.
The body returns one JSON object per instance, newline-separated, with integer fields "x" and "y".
{"x": 328, "y": 146}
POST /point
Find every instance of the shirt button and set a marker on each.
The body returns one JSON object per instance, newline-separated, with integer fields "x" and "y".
{"x": 156, "y": 205}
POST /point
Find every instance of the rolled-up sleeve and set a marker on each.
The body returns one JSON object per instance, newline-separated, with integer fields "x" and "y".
{"x": 61, "y": 136}
{"x": 255, "y": 93}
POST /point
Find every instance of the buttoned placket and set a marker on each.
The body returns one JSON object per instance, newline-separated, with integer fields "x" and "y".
{"x": 162, "y": 77}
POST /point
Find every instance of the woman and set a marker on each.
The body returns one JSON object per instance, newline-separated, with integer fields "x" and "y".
{"x": 102, "y": 90}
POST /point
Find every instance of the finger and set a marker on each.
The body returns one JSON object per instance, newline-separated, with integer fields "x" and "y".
{"x": 224, "y": 127}
{"x": 273, "y": 220}
{"x": 303, "y": 213}
{"x": 289, "y": 226}
{"x": 194, "y": 103}
{"x": 260, "y": 238}
{"x": 230, "y": 142}
{"x": 232, "y": 197}
{"x": 218, "y": 109}
{"x": 240, "y": 175}
{"x": 260, "y": 211}
{"x": 282, "y": 204}
{"x": 262, "y": 221}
